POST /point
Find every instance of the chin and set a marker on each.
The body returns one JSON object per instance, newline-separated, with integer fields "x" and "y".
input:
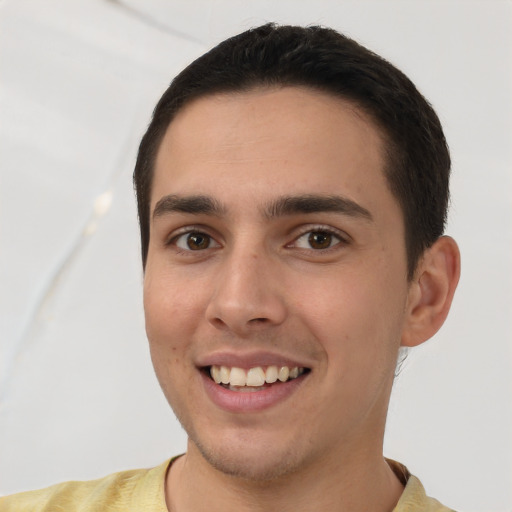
{"x": 256, "y": 469}
{"x": 248, "y": 459}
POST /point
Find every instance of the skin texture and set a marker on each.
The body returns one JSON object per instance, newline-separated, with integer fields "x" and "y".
{"x": 258, "y": 286}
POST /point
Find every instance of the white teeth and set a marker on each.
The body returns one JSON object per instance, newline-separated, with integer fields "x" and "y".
{"x": 284, "y": 373}
{"x": 224, "y": 374}
{"x": 237, "y": 377}
{"x": 215, "y": 373}
{"x": 271, "y": 374}
{"x": 255, "y": 377}
{"x": 294, "y": 373}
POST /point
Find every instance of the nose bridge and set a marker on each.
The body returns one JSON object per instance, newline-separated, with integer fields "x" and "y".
{"x": 246, "y": 295}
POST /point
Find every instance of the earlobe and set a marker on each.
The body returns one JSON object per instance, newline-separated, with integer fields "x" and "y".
{"x": 431, "y": 292}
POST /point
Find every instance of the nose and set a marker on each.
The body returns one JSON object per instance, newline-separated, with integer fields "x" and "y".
{"x": 246, "y": 297}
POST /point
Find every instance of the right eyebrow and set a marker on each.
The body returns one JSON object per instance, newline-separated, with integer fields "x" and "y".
{"x": 188, "y": 204}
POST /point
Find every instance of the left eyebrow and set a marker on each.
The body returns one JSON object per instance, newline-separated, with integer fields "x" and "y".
{"x": 310, "y": 203}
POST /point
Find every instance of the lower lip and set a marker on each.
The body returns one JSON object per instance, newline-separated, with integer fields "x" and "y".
{"x": 249, "y": 401}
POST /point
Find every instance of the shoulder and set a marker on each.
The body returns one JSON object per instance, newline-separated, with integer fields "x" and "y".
{"x": 140, "y": 489}
{"x": 414, "y": 497}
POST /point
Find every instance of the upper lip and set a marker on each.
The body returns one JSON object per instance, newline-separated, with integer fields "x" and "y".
{"x": 248, "y": 360}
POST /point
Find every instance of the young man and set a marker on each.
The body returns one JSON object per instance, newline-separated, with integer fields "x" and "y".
{"x": 292, "y": 191}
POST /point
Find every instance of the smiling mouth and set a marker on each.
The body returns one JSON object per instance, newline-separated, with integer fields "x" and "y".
{"x": 254, "y": 379}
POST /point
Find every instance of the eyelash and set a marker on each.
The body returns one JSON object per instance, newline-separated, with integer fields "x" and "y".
{"x": 339, "y": 237}
{"x": 324, "y": 230}
{"x": 187, "y": 232}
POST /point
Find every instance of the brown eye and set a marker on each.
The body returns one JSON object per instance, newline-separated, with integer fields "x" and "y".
{"x": 198, "y": 241}
{"x": 320, "y": 240}
{"x": 194, "y": 241}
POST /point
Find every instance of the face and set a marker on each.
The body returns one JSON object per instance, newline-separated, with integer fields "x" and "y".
{"x": 275, "y": 248}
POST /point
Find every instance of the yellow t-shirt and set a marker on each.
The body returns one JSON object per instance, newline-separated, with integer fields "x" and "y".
{"x": 143, "y": 490}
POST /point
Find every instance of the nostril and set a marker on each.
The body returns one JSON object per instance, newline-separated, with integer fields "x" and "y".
{"x": 219, "y": 323}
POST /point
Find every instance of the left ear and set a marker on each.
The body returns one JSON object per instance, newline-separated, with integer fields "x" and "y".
{"x": 431, "y": 291}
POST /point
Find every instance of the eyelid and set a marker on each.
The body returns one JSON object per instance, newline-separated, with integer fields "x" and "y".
{"x": 187, "y": 230}
{"x": 343, "y": 237}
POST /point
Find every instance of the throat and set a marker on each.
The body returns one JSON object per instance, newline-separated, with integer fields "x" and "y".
{"x": 194, "y": 483}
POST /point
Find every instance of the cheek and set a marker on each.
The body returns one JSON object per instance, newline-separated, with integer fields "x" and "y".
{"x": 170, "y": 324}
{"x": 169, "y": 328}
{"x": 172, "y": 306}
{"x": 356, "y": 316}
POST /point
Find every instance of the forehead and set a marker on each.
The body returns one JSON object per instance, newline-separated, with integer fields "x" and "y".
{"x": 270, "y": 141}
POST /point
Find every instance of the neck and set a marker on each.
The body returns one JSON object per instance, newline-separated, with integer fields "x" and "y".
{"x": 340, "y": 483}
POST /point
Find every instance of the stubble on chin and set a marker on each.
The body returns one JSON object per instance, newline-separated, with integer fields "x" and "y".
{"x": 253, "y": 465}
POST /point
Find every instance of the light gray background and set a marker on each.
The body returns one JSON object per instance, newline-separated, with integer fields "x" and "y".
{"x": 78, "y": 80}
